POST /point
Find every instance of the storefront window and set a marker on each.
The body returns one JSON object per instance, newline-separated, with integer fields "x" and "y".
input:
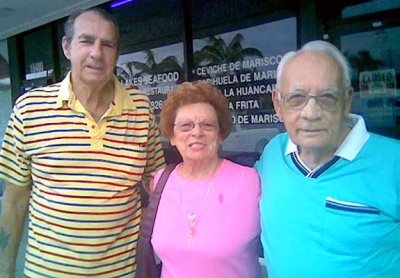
{"x": 375, "y": 60}
{"x": 5, "y": 89}
{"x": 243, "y": 64}
{"x": 155, "y": 72}
{"x": 5, "y": 96}
{"x": 370, "y": 7}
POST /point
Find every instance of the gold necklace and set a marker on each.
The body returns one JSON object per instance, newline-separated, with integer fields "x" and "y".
{"x": 193, "y": 218}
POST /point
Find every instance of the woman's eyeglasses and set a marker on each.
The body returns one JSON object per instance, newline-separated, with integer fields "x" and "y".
{"x": 186, "y": 126}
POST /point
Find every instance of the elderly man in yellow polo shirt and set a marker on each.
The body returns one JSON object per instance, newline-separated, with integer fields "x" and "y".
{"x": 76, "y": 152}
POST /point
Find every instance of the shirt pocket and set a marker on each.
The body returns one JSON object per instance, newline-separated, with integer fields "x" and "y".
{"x": 345, "y": 206}
{"x": 351, "y": 228}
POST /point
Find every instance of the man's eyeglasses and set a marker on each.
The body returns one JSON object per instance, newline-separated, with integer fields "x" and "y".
{"x": 186, "y": 126}
{"x": 327, "y": 99}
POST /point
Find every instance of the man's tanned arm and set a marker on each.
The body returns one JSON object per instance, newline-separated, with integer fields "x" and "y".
{"x": 14, "y": 206}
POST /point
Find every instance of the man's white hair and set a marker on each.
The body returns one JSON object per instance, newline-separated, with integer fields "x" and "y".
{"x": 317, "y": 46}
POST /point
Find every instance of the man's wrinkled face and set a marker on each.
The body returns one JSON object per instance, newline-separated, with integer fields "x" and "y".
{"x": 93, "y": 50}
{"x": 313, "y": 102}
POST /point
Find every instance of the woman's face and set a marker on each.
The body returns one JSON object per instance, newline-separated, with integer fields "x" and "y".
{"x": 196, "y": 132}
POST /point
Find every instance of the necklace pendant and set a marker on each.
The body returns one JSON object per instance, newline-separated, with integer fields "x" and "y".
{"x": 192, "y": 218}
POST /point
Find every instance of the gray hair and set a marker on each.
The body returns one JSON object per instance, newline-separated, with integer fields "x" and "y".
{"x": 69, "y": 24}
{"x": 317, "y": 46}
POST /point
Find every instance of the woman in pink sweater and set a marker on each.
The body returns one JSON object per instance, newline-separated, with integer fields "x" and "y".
{"x": 207, "y": 223}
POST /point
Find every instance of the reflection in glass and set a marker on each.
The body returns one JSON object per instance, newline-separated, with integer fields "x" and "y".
{"x": 370, "y": 7}
{"x": 375, "y": 60}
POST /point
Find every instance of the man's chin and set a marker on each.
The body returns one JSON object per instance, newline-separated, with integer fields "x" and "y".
{"x": 311, "y": 142}
{"x": 96, "y": 80}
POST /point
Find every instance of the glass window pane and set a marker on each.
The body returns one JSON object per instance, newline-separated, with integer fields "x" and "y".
{"x": 5, "y": 89}
{"x": 370, "y": 7}
{"x": 155, "y": 72}
{"x": 375, "y": 60}
{"x": 244, "y": 66}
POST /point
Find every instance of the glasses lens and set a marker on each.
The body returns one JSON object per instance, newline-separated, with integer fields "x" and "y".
{"x": 295, "y": 100}
{"x": 327, "y": 100}
{"x": 208, "y": 126}
{"x": 185, "y": 126}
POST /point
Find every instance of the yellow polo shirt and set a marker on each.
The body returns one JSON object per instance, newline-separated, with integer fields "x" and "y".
{"x": 85, "y": 205}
